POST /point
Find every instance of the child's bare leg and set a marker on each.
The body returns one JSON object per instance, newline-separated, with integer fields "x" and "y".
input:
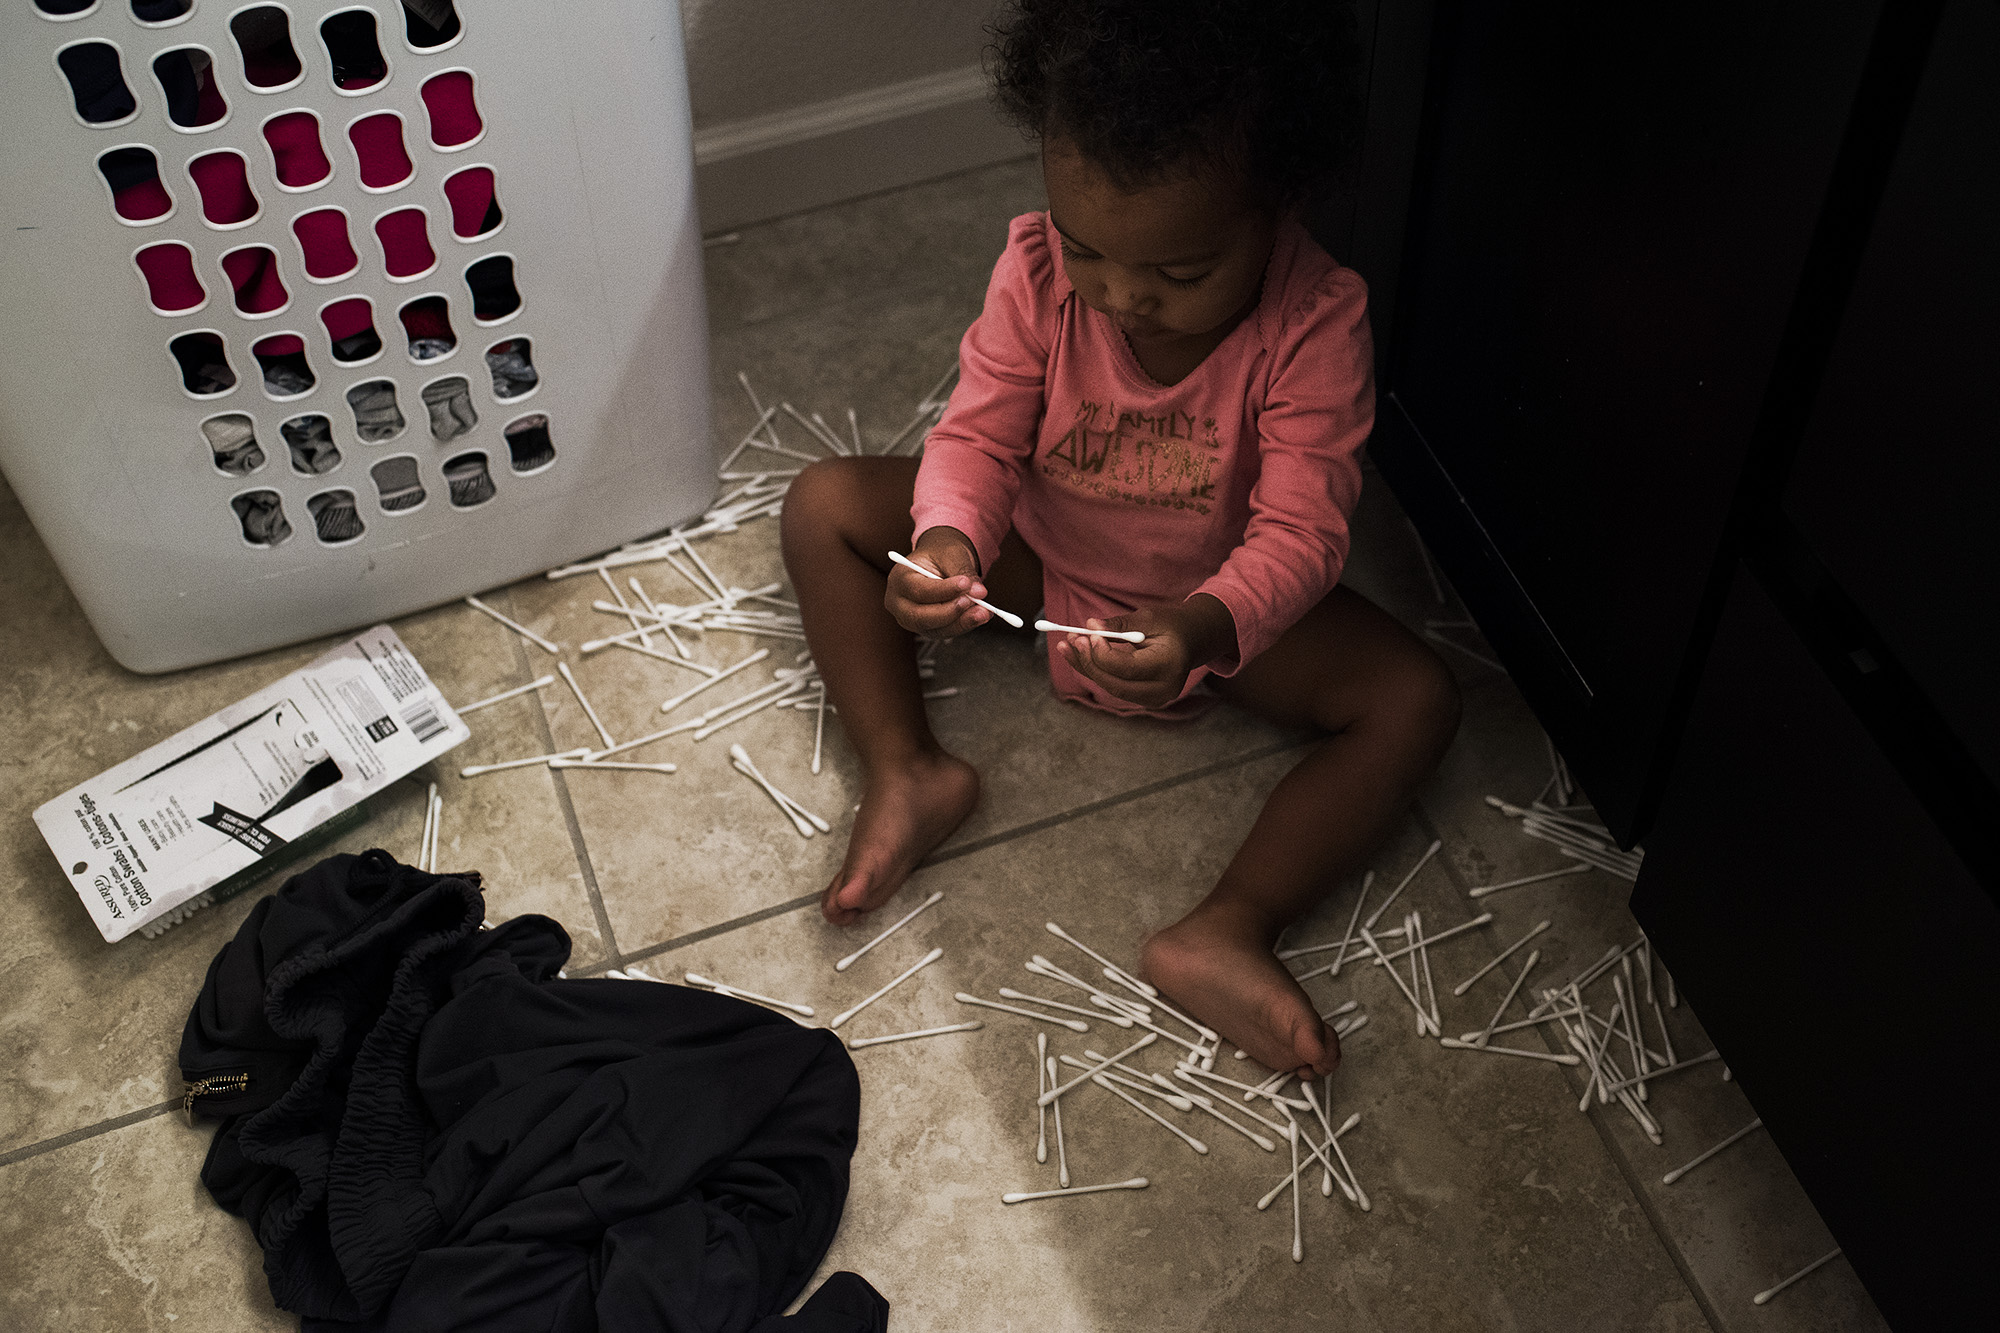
{"x": 1392, "y": 706}
{"x": 841, "y": 518}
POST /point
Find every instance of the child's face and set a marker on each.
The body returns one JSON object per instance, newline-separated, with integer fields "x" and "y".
{"x": 1173, "y": 261}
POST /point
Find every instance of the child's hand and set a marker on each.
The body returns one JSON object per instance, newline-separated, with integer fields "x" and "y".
{"x": 1179, "y": 638}
{"x": 938, "y": 608}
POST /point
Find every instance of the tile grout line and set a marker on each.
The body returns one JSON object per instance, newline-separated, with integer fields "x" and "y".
{"x": 981, "y": 844}
{"x": 612, "y": 958}
{"x": 1598, "y": 1122}
{"x": 23, "y": 1153}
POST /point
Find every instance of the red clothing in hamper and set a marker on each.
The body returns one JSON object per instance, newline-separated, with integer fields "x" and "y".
{"x": 1236, "y": 482}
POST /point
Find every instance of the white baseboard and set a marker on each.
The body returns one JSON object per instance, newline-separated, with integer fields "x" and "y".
{"x": 879, "y": 139}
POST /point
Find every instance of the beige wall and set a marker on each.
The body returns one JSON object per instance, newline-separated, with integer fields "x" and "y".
{"x": 752, "y": 57}
{"x": 799, "y": 103}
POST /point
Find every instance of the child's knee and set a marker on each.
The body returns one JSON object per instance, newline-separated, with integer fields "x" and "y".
{"x": 819, "y": 496}
{"x": 1425, "y": 704}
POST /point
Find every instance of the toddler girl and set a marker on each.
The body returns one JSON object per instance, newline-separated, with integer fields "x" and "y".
{"x": 1154, "y": 429}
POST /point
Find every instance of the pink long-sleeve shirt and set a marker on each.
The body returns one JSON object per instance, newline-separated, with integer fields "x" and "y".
{"x": 1237, "y": 482}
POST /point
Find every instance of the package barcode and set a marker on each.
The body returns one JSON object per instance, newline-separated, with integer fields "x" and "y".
{"x": 422, "y": 720}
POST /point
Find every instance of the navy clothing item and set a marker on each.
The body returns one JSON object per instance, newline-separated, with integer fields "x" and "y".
{"x": 427, "y": 1130}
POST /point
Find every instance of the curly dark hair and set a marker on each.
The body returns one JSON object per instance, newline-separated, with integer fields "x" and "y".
{"x": 1151, "y": 89}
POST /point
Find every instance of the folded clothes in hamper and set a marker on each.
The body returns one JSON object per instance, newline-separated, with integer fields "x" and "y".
{"x": 210, "y": 811}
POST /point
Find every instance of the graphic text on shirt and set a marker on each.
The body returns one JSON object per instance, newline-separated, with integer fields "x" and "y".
{"x": 1163, "y": 459}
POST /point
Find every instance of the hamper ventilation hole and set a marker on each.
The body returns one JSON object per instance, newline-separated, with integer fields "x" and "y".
{"x": 204, "y": 364}
{"x": 253, "y": 274}
{"x": 224, "y": 182}
{"x": 187, "y": 77}
{"x": 350, "y": 327}
{"x": 282, "y": 358}
{"x": 430, "y": 24}
{"x": 65, "y": 9}
{"x": 232, "y": 439}
{"x": 449, "y": 402}
{"x": 323, "y": 242}
{"x": 427, "y": 321}
{"x": 406, "y": 247}
{"x": 378, "y": 148}
{"x": 264, "y": 37}
{"x": 262, "y": 514}
{"x": 96, "y": 83}
{"x": 455, "y": 118}
{"x": 296, "y": 155}
{"x": 137, "y": 194}
{"x": 475, "y": 203}
{"x": 528, "y": 446}
{"x": 335, "y": 518}
{"x": 352, "y": 50}
{"x": 494, "y": 296}
{"x": 513, "y": 366}
{"x": 171, "y": 283}
{"x": 376, "y": 416}
{"x": 467, "y": 480}
{"x": 161, "y": 11}
{"x": 397, "y": 484}
{"x": 310, "y": 440}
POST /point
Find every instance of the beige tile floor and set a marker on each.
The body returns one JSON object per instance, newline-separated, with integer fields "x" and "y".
{"x": 1496, "y": 1205}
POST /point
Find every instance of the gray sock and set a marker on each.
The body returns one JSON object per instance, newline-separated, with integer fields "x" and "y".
{"x": 376, "y": 416}
{"x": 513, "y": 374}
{"x": 234, "y": 440}
{"x": 450, "y": 402}
{"x": 334, "y": 516}
{"x": 310, "y": 438}
{"x": 262, "y": 514}
{"x": 470, "y": 483}
{"x": 397, "y": 485}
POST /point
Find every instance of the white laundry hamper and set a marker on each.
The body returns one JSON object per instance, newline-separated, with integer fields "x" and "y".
{"x": 475, "y": 218}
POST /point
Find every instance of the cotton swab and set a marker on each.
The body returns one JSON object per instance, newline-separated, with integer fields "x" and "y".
{"x": 1764, "y": 1296}
{"x": 720, "y": 676}
{"x": 1427, "y": 941}
{"x": 1125, "y": 635}
{"x": 1136, "y": 984}
{"x": 1204, "y": 1104}
{"x": 504, "y": 695}
{"x": 1485, "y": 889}
{"x": 799, "y": 821}
{"x": 1316, "y": 1153}
{"x": 1422, "y": 861}
{"x": 1360, "y": 1194}
{"x": 1062, "y": 1152}
{"x": 819, "y": 726}
{"x": 1138, "y": 1082}
{"x": 1041, "y": 1086}
{"x": 1195, "y": 1049}
{"x": 1115, "y": 1019}
{"x": 1486, "y": 1033}
{"x": 1682, "y": 1170}
{"x": 628, "y": 768}
{"x": 1054, "y": 1092}
{"x": 588, "y": 711}
{"x": 430, "y": 818}
{"x": 1132, "y": 984}
{"x": 1326, "y": 1187}
{"x": 856, "y": 1043}
{"x": 1298, "y": 1241}
{"x": 742, "y": 756}
{"x": 1658, "y": 1070}
{"x": 1453, "y": 1043}
{"x": 1074, "y": 1025}
{"x": 1135, "y": 1183}
{"x": 902, "y": 977}
{"x": 908, "y": 563}
{"x": 1181, "y": 1073}
{"x": 437, "y": 830}
{"x": 697, "y": 979}
{"x": 1367, "y": 880}
{"x": 514, "y": 625}
{"x": 476, "y": 769}
{"x": 1397, "y": 977}
{"x": 855, "y": 957}
{"x": 1042, "y": 967}
{"x": 1150, "y": 1113}
{"x": 1466, "y": 985}
{"x": 1212, "y": 1077}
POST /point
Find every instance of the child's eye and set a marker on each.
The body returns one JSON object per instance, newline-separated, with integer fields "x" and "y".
{"x": 1070, "y": 252}
{"x": 1184, "y": 282}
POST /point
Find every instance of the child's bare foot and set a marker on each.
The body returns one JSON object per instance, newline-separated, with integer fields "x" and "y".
{"x": 906, "y": 811}
{"x": 1223, "y": 972}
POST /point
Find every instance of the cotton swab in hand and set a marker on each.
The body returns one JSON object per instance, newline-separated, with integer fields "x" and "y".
{"x": 1074, "y": 1025}
{"x": 854, "y": 957}
{"x": 697, "y": 979}
{"x": 1135, "y": 1183}
{"x": 908, "y": 563}
{"x": 856, "y": 1043}
{"x": 902, "y": 977}
{"x": 1125, "y": 635}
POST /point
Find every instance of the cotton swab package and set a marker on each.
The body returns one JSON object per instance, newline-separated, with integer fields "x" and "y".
{"x": 211, "y": 810}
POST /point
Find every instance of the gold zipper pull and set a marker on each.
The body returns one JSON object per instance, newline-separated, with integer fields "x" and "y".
{"x": 215, "y": 1083}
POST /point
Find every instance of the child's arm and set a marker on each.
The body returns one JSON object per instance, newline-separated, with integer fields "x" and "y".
{"x": 973, "y": 458}
{"x": 1318, "y": 411}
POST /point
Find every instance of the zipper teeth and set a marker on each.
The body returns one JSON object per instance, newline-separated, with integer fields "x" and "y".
{"x": 203, "y": 1087}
